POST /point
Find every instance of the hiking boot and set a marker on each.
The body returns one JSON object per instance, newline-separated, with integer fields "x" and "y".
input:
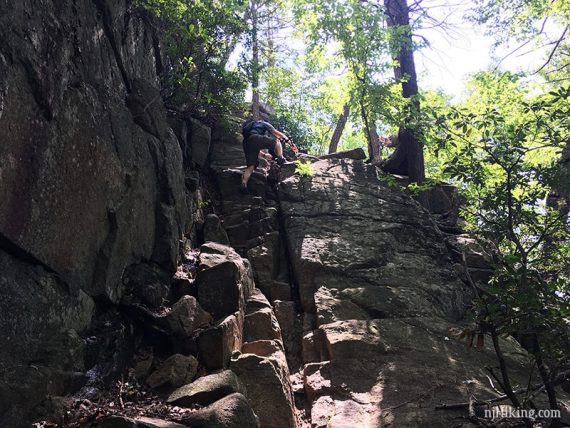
{"x": 244, "y": 190}
{"x": 281, "y": 160}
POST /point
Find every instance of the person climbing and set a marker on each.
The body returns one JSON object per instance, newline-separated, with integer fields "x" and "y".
{"x": 397, "y": 162}
{"x": 260, "y": 135}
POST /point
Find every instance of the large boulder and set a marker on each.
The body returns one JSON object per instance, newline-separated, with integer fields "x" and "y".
{"x": 207, "y": 389}
{"x": 224, "y": 280}
{"x": 380, "y": 292}
{"x": 232, "y": 411}
{"x": 266, "y": 378}
{"x": 175, "y": 371}
{"x": 347, "y": 228}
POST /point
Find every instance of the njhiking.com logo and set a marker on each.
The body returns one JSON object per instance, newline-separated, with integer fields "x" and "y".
{"x": 521, "y": 413}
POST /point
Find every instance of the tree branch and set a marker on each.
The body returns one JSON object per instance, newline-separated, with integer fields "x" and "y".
{"x": 562, "y": 36}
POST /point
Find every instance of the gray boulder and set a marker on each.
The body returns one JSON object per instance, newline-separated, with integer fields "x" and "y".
{"x": 232, "y": 411}
{"x": 207, "y": 389}
{"x": 175, "y": 371}
{"x": 346, "y": 228}
{"x": 214, "y": 231}
{"x": 224, "y": 280}
{"x": 186, "y": 316}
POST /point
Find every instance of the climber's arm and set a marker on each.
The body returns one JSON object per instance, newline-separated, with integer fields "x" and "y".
{"x": 279, "y": 134}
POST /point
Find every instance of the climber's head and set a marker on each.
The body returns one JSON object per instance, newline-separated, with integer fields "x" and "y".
{"x": 389, "y": 141}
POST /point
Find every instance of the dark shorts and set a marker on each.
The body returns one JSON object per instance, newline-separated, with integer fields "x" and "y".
{"x": 253, "y": 145}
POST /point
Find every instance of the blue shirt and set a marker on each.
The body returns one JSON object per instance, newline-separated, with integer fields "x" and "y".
{"x": 261, "y": 127}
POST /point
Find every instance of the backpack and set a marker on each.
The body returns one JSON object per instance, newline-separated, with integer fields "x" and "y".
{"x": 246, "y": 128}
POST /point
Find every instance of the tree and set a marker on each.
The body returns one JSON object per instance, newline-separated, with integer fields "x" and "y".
{"x": 354, "y": 29}
{"x": 409, "y": 149}
{"x": 559, "y": 196}
{"x": 198, "y": 36}
{"x": 260, "y": 14}
{"x": 339, "y": 128}
{"x": 504, "y": 158}
{"x": 525, "y": 21}
{"x": 255, "y": 65}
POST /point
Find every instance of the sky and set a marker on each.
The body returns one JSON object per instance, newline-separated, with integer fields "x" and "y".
{"x": 462, "y": 50}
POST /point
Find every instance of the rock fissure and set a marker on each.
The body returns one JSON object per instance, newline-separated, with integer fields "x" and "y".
{"x": 287, "y": 257}
{"x": 107, "y": 21}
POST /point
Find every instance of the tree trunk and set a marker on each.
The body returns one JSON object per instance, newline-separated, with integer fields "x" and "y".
{"x": 254, "y": 62}
{"x": 559, "y": 197}
{"x": 341, "y": 123}
{"x": 397, "y": 14}
{"x": 374, "y": 142}
{"x": 370, "y": 132}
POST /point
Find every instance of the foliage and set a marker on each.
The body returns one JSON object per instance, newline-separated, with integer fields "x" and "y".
{"x": 517, "y": 18}
{"x": 357, "y": 41}
{"x": 416, "y": 189}
{"x": 199, "y": 36}
{"x": 304, "y": 169}
{"x": 502, "y": 148}
{"x": 290, "y": 96}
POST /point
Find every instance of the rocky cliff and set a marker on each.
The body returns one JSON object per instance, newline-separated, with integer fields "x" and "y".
{"x": 91, "y": 181}
{"x": 366, "y": 288}
{"x": 135, "y": 280}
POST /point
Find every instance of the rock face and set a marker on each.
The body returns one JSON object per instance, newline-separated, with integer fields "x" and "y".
{"x": 379, "y": 291}
{"x": 346, "y": 230}
{"x": 91, "y": 179}
{"x": 79, "y": 163}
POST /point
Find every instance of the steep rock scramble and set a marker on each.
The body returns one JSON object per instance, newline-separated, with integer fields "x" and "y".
{"x": 134, "y": 277}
